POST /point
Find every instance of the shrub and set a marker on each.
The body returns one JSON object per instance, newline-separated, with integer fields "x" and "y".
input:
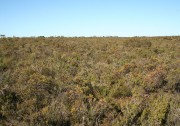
{"x": 3, "y": 66}
{"x": 174, "y": 113}
{"x": 8, "y": 103}
{"x": 56, "y": 114}
{"x": 120, "y": 90}
{"x": 159, "y": 109}
{"x": 103, "y": 91}
{"x": 37, "y": 93}
{"x": 47, "y": 72}
{"x": 89, "y": 81}
{"x": 173, "y": 80}
{"x": 155, "y": 79}
{"x": 41, "y": 84}
{"x": 136, "y": 42}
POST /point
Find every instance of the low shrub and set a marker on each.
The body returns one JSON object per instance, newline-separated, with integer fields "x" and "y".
{"x": 155, "y": 79}
{"x": 89, "y": 81}
{"x": 120, "y": 90}
{"x": 8, "y": 103}
{"x": 136, "y": 42}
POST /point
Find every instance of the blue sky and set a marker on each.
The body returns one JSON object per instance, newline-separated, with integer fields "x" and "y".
{"x": 90, "y": 17}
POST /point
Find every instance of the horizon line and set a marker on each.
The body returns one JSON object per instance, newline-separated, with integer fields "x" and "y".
{"x": 103, "y": 36}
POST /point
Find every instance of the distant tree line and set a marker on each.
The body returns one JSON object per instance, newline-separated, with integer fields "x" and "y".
{"x": 2, "y": 36}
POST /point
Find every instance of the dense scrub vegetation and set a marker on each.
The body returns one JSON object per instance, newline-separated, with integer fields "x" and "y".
{"x": 90, "y": 81}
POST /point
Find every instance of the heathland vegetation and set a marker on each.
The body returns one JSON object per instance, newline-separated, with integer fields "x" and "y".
{"x": 105, "y": 81}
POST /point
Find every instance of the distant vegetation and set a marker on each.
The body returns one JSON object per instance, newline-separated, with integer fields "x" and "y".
{"x": 108, "y": 81}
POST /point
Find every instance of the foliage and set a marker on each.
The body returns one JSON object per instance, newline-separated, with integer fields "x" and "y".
{"x": 90, "y": 81}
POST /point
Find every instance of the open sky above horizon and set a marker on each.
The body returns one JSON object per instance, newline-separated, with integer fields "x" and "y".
{"x": 89, "y": 17}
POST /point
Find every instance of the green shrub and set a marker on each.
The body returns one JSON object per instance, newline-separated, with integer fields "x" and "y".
{"x": 103, "y": 91}
{"x": 159, "y": 111}
{"x": 3, "y": 66}
{"x": 120, "y": 90}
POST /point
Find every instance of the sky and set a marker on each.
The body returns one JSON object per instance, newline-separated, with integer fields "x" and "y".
{"x": 124, "y": 18}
